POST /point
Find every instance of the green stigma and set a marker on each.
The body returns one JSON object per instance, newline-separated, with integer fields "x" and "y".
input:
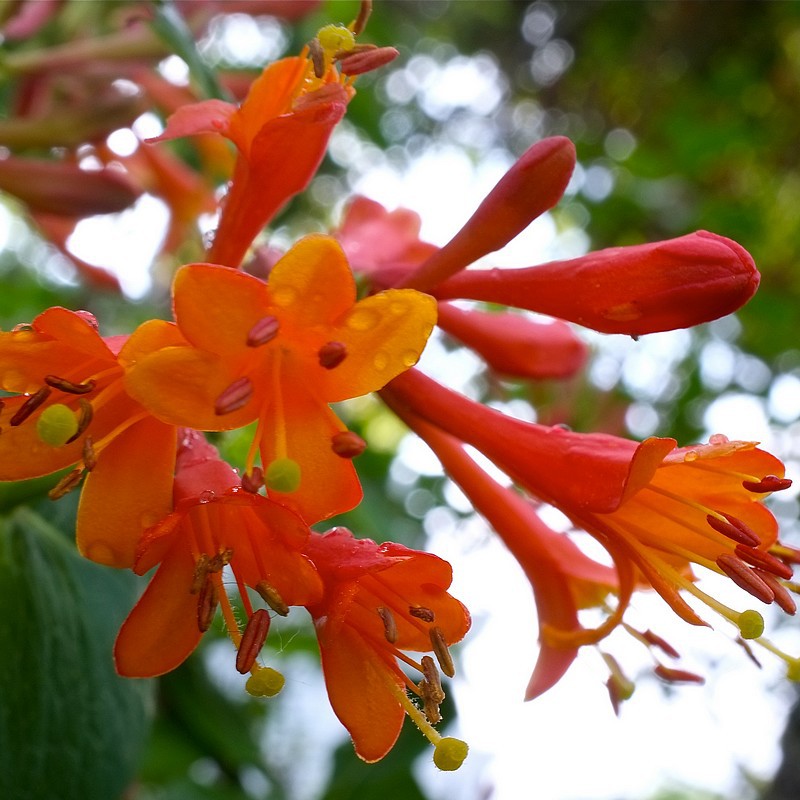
{"x": 336, "y": 39}
{"x": 56, "y": 425}
{"x": 283, "y": 475}
{"x": 449, "y": 753}
{"x": 751, "y": 624}
{"x": 264, "y": 682}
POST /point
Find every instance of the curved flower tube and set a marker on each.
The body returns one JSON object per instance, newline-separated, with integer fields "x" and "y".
{"x": 660, "y": 507}
{"x": 280, "y": 352}
{"x": 71, "y": 410}
{"x": 215, "y": 524}
{"x": 379, "y": 601}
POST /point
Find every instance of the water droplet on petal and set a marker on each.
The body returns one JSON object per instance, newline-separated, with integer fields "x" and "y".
{"x": 409, "y": 358}
{"x": 284, "y": 297}
{"x": 397, "y": 309}
{"x": 718, "y": 438}
{"x": 362, "y": 320}
{"x": 101, "y": 552}
{"x": 381, "y": 360}
{"x": 207, "y": 496}
{"x": 690, "y": 455}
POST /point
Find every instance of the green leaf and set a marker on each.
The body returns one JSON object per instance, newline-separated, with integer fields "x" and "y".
{"x": 70, "y": 728}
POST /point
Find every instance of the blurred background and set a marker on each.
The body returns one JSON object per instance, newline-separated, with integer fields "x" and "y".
{"x": 685, "y": 116}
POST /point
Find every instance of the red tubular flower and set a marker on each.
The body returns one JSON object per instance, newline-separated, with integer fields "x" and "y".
{"x": 562, "y": 577}
{"x": 515, "y": 345}
{"x": 71, "y": 409}
{"x": 280, "y": 352}
{"x": 533, "y": 185}
{"x": 657, "y": 507}
{"x": 215, "y": 524}
{"x": 635, "y": 290}
{"x": 379, "y": 601}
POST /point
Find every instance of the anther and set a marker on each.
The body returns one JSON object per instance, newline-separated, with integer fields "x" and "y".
{"x": 347, "y": 444}
{"x": 66, "y": 484}
{"x": 432, "y": 678}
{"x": 84, "y": 418}
{"x": 252, "y": 481}
{"x": 420, "y": 612}
{"x": 783, "y": 599}
{"x": 357, "y": 63}
{"x": 317, "y": 55}
{"x": 207, "y": 604}
{"x": 744, "y": 577}
{"x": 220, "y": 560}
{"x": 764, "y": 560}
{"x": 68, "y": 386}
{"x": 672, "y": 675}
{"x": 236, "y": 396}
{"x": 200, "y": 574}
{"x": 265, "y": 330}
{"x": 271, "y": 596}
{"x": 89, "y": 455}
{"x": 769, "y": 483}
{"x": 253, "y": 639}
{"x": 439, "y": 647}
{"x": 332, "y": 354}
{"x": 734, "y": 529}
{"x": 389, "y": 624}
{"x": 657, "y": 641}
{"x": 29, "y": 406}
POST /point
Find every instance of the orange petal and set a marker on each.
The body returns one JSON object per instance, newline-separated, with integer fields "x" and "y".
{"x": 313, "y": 282}
{"x": 161, "y": 630}
{"x": 70, "y": 327}
{"x": 129, "y": 490}
{"x": 180, "y": 385}
{"x": 216, "y": 307}
{"x": 328, "y": 483}
{"x": 358, "y": 683}
{"x": 384, "y": 335}
{"x": 207, "y": 116}
{"x": 150, "y": 336}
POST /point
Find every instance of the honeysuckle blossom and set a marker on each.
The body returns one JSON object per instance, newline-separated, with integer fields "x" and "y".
{"x": 279, "y": 352}
{"x": 70, "y": 409}
{"x": 379, "y": 603}
{"x": 657, "y": 509}
{"x": 281, "y": 131}
{"x": 215, "y": 524}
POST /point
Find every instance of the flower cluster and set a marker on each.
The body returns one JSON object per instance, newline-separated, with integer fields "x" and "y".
{"x": 337, "y": 317}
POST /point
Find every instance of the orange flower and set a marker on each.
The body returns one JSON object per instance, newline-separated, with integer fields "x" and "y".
{"x": 280, "y": 352}
{"x": 656, "y": 508}
{"x": 215, "y": 524}
{"x": 71, "y": 409}
{"x": 281, "y": 132}
{"x": 379, "y": 601}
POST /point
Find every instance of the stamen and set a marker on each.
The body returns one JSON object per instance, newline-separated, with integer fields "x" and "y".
{"x": 783, "y": 599}
{"x": 360, "y": 22}
{"x": 84, "y": 418}
{"x": 620, "y": 687}
{"x": 672, "y": 675}
{"x": 265, "y": 330}
{"x": 89, "y": 455}
{"x": 220, "y": 560}
{"x": 347, "y": 444}
{"x": 236, "y": 396}
{"x": 253, "y": 639}
{"x": 29, "y": 406}
{"x": 271, "y": 596}
{"x": 389, "y": 624}
{"x": 664, "y": 645}
{"x": 200, "y": 574}
{"x": 317, "y": 55}
{"x": 68, "y": 386}
{"x": 748, "y": 651}
{"x": 252, "y": 481}
{"x": 734, "y": 529}
{"x": 744, "y": 577}
{"x": 420, "y": 612}
{"x": 361, "y": 61}
{"x": 207, "y": 604}
{"x": 439, "y": 647}
{"x": 331, "y": 354}
{"x": 432, "y": 680}
{"x": 769, "y": 483}
{"x": 66, "y": 484}
{"x": 764, "y": 560}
